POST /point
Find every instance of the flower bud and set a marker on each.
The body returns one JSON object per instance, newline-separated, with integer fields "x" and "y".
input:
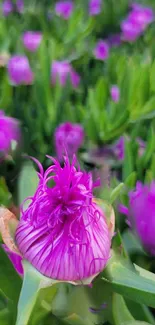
{"x": 101, "y": 51}
{"x": 19, "y": 70}
{"x": 9, "y": 130}
{"x": 64, "y": 9}
{"x": 64, "y": 233}
{"x": 32, "y": 40}
{"x": 94, "y": 7}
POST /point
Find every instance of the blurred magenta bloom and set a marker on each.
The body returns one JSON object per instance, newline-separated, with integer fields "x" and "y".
{"x": 20, "y": 6}
{"x": 9, "y": 130}
{"x": 63, "y": 233}
{"x": 115, "y": 93}
{"x": 7, "y": 7}
{"x": 94, "y": 7}
{"x": 136, "y": 22}
{"x": 15, "y": 259}
{"x": 61, "y": 71}
{"x": 19, "y": 70}
{"x": 119, "y": 148}
{"x": 114, "y": 40}
{"x": 64, "y": 9}
{"x": 140, "y": 214}
{"x": 101, "y": 50}
{"x": 32, "y": 40}
{"x": 68, "y": 137}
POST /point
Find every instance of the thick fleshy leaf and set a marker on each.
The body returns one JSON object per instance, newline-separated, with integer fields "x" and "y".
{"x": 76, "y": 320}
{"x": 129, "y": 283}
{"x": 116, "y": 192}
{"x": 121, "y": 313}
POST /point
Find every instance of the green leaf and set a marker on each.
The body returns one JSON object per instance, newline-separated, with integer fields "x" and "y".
{"x": 116, "y": 192}
{"x": 128, "y": 164}
{"x": 76, "y": 320}
{"x": 149, "y": 149}
{"x": 131, "y": 180}
{"x": 152, "y": 77}
{"x": 130, "y": 284}
{"x": 120, "y": 311}
{"x": 132, "y": 243}
{"x": 28, "y": 182}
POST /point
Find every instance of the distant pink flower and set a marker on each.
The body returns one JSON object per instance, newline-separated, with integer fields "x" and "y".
{"x": 115, "y": 93}
{"x": 32, "y": 40}
{"x": 101, "y": 50}
{"x": 61, "y": 71}
{"x": 7, "y": 7}
{"x": 20, "y": 6}
{"x": 15, "y": 259}
{"x": 64, "y": 233}
{"x": 64, "y": 9}
{"x": 94, "y": 7}
{"x": 9, "y": 130}
{"x": 130, "y": 31}
{"x": 68, "y": 137}
{"x": 19, "y": 70}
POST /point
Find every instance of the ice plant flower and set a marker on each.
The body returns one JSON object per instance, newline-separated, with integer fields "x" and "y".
{"x": 19, "y": 70}
{"x": 94, "y": 7}
{"x": 32, "y": 40}
{"x": 64, "y": 233}
{"x": 140, "y": 214}
{"x": 64, "y": 9}
{"x": 62, "y": 71}
{"x": 9, "y": 131}
{"x": 136, "y": 22}
{"x": 115, "y": 93}
{"x": 7, "y": 7}
{"x": 20, "y": 6}
{"x": 68, "y": 137}
{"x": 101, "y": 51}
{"x": 118, "y": 147}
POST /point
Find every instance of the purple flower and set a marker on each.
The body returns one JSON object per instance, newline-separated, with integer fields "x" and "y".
{"x": 140, "y": 214}
{"x": 64, "y": 9}
{"x": 115, "y": 93}
{"x": 68, "y": 137}
{"x": 114, "y": 40}
{"x": 32, "y": 40}
{"x": 101, "y": 51}
{"x": 119, "y": 147}
{"x": 15, "y": 259}
{"x": 63, "y": 233}
{"x": 20, "y": 6}
{"x": 19, "y": 70}
{"x": 94, "y": 7}
{"x": 136, "y": 22}
{"x": 9, "y": 130}
{"x": 62, "y": 70}
{"x": 7, "y": 7}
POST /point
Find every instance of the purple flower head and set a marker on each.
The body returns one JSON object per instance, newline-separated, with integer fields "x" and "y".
{"x": 94, "y": 7}
{"x": 20, "y": 6}
{"x": 9, "y": 130}
{"x": 115, "y": 93}
{"x": 15, "y": 259}
{"x": 119, "y": 148}
{"x": 62, "y": 70}
{"x": 19, "y": 70}
{"x": 101, "y": 51}
{"x": 63, "y": 233}
{"x": 141, "y": 16}
{"x": 7, "y": 7}
{"x": 130, "y": 31}
{"x": 64, "y": 9}
{"x": 114, "y": 40}
{"x": 140, "y": 214}
{"x": 68, "y": 137}
{"x": 32, "y": 40}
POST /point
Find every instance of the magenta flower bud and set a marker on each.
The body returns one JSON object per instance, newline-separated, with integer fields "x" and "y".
{"x": 141, "y": 15}
{"x": 115, "y": 93}
{"x": 140, "y": 214}
{"x": 9, "y": 131}
{"x": 63, "y": 233}
{"x": 64, "y": 9}
{"x": 20, "y": 6}
{"x": 119, "y": 148}
{"x": 32, "y": 40}
{"x": 7, "y": 7}
{"x": 19, "y": 70}
{"x": 68, "y": 137}
{"x": 130, "y": 31}
{"x": 114, "y": 40}
{"x": 94, "y": 7}
{"x": 15, "y": 259}
{"x": 61, "y": 71}
{"x": 101, "y": 51}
